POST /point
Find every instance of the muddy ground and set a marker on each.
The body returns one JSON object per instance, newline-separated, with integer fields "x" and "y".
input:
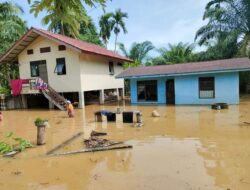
{"x": 188, "y": 147}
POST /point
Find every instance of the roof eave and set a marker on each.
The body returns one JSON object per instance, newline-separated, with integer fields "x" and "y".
{"x": 15, "y": 45}
{"x": 113, "y": 57}
{"x": 183, "y": 74}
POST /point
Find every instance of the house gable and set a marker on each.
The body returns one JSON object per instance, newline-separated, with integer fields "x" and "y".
{"x": 70, "y": 81}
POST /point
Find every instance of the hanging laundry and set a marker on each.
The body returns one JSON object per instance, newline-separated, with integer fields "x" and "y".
{"x": 40, "y": 84}
{"x": 16, "y": 86}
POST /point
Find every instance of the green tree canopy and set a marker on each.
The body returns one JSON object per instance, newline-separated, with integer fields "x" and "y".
{"x": 175, "y": 53}
{"x": 138, "y": 51}
{"x": 230, "y": 18}
{"x": 105, "y": 25}
{"x": 118, "y": 24}
{"x": 11, "y": 25}
{"x": 12, "y": 28}
{"x": 64, "y": 17}
{"x": 88, "y": 33}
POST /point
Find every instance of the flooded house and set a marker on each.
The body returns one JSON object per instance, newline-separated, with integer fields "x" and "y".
{"x": 198, "y": 83}
{"x": 75, "y": 70}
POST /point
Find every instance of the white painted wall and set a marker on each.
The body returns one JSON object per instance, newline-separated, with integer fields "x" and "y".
{"x": 84, "y": 72}
{"x": 61, "y": 83}
{"x": 95, "y": 73}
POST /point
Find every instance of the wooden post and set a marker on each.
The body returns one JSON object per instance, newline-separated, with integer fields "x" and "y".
{"x": 139, "y": 117}
{"x": 98, "y": 117}
{"x": 41, "y": 135}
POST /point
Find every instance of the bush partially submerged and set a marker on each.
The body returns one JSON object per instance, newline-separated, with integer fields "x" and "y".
{"x": 14, "y": 143}
{"x": 39, "y": 120}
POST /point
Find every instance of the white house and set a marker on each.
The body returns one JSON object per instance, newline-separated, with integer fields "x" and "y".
{"x": 80, "y": 71}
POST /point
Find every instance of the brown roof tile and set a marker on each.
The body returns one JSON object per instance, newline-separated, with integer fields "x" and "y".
{"x": 188, "y": 68}
{"x": 84, "y": 46}
{"x": 78, "y": 45}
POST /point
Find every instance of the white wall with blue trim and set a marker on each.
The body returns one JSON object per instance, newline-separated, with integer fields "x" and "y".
{"x": 187, "y": 89}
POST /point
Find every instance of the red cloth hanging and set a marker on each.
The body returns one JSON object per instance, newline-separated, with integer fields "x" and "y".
{"x": 16, "y": 86}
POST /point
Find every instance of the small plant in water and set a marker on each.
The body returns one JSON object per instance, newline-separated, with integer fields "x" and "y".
{"x": 39, "y": 121}
{"x": 14, "y": 143}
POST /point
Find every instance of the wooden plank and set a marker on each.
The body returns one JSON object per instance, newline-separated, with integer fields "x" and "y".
{"x": 94, "y": 150}
{"x": 11, "y": 154}
{"x": 64, "y": 143}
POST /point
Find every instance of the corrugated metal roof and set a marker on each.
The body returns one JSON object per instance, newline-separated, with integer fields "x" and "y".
{"x": 188, "y": 68}
{"x": 78, "y": 45}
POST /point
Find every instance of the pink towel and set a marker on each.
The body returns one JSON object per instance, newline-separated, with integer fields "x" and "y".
{"x": 16, "y": 86}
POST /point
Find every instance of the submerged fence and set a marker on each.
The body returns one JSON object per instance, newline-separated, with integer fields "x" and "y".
{"x": 2, "y": 102}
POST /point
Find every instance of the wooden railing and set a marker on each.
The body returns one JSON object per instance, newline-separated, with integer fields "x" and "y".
{"x": 29, "y": 88}
{"x": 49, "y": 93}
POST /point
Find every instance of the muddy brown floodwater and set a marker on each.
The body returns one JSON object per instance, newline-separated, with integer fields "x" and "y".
{"x": 188, "y": 147}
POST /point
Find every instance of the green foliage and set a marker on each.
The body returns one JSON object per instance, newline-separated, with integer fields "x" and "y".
{"x": 138, "y": 51}
{"x": 175, "y": 53}
{"x": 5, "y": 91}
{"x": 64, "y": 17}
{"x": 5, "y": 148}
{"x": 88, "y": 33}
{"x": 118, "y": 24}
{"x": 223, "y": 48}
{"x": 11, "y": 25}
{"x": 228, "y": 25}
{"x": 12, "y": 28}
{"x": 22, "y": 144}
{"x": 128, "y": 65}
{"x": 40, "y": 120}
{"x": 105, "y": 25}
{"x": 112, "y": 22}
{"x": 13, "y": 143}
{"x": 7, "y": 72}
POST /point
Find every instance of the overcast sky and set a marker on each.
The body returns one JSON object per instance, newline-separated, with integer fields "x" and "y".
{"x": 159, "y": 21}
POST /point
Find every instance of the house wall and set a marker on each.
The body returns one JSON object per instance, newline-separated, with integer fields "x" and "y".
{"x": 187, "y": 89}
{"x": 226, "y": 89}
{"x": 62, "y": 83}
{"x": 95, "y": 73}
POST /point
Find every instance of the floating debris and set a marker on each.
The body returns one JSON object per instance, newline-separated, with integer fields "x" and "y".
{"x": 219, "y": 106}
{"x": 95, "y": 133}
{"x": 64, "y": 143}
{"x": 155, "y": 114}
{"x": 95, "y": 142}
{"x": 95, "y": 150}
{"x": 137, "y": 125}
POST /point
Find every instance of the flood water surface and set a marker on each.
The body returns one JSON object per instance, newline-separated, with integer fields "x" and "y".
{"x": 188, "y": 147}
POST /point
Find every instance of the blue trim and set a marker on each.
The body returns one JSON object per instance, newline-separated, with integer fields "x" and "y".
{"x": 185, "y": 74}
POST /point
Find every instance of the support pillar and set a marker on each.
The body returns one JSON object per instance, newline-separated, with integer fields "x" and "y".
{"x": 117, "y": 94}
{"x": 81, "y": 100}
{"x": 123, "y": 94}
{"x": 51, "y": 105}
{"x": 24, "y": 101}
{"x": 101, "y": 96}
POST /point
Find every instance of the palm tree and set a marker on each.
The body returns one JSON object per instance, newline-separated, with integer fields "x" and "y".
{"x": 105, "y": 27}
{"x": 64, "y": 17}
{"x": 230, "y": 18}
{"x": 88, "y": 33}
{"x": 118, "y": 24}
{"x": 178, "y": 53}
{"x": 175, "y": 53}
{"x": 12, "y": 26}
{"x": 138, "y": 51}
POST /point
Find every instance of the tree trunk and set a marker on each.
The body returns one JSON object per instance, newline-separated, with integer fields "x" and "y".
{"x": 40, "y": 135}
{"x": 116, "y": 36}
